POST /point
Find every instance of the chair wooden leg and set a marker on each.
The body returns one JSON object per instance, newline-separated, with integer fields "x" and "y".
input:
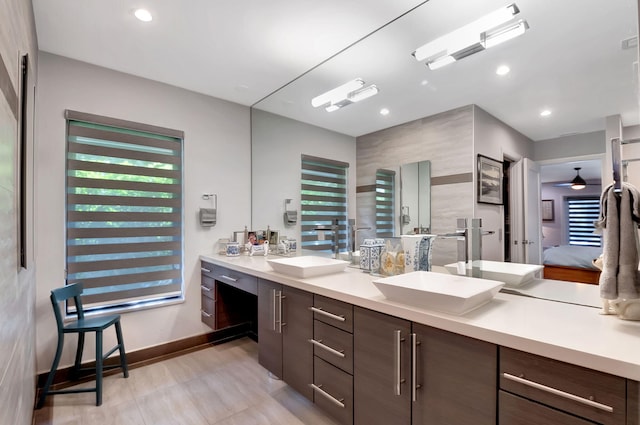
{"x": 123, "y": 354}
{"x": 78, "y": 363}
{"x": 99, "y": 360}
{"x": 52, "y": 372}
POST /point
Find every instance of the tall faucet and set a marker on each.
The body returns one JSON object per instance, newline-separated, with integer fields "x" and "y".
{"x": 353, "y": 232}
{"x": 462, "y": 234}
{"x": 335, "y": 240}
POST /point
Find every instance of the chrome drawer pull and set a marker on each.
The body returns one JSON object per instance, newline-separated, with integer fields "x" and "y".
{"x": 557, "y": 392}
{"x": 397, "y": 338}
{"x": 328, "y": 396}
{"x": 326, "y": 347}
{"x": 205, "y": 270}
{"x": 204, "y": 288}
{"x": 326, "y": 313}
{"x": 205, "y": 314}
{"x": 224, "y": 276}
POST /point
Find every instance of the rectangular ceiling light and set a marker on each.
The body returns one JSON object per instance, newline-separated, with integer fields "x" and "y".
{"x": 469, "y": 39}
{"x": 346, "y": 94}
{"x": 505, "y": 33}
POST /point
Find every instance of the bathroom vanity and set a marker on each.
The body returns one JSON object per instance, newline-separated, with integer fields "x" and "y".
{"x": 367, "y": 360}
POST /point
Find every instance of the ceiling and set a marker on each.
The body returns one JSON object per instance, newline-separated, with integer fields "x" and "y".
{"x": 564, "y": 172}
{"x": 570, "y": 60}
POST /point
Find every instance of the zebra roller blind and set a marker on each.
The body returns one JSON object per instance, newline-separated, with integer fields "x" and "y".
{"x": 323, "y": 198}
{"x": 124, "y": 211}
{"x": 385, "y": 193}
{"x": 583, "y": 211}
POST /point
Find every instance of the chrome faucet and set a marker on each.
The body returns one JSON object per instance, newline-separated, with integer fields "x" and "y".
{"x": 463, "y": 233}
{"x": 353, "y": 236}
{"x": 335, "y": 240}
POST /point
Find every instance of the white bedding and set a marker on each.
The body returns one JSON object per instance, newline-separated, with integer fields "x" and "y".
{"x": 571, "y": 256}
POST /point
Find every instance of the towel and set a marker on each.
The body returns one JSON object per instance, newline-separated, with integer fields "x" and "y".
{"x": 618, "y": 221}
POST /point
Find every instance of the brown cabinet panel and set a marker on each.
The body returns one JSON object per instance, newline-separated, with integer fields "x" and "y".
{"x": 633, "y": 402}
{"x": 297, "y": 329}
{"x": 515, "y": 410}
{"x": 333, "y": 312}
{"x": 334, "y": 392}
{"x": 208, "y": 312}
{"x": 587, "y": 384}
{"x": 238, "y": 280}
{"x": 207, "y": 286}
{"x": 375, "y": 369}
{"x": 269, "y": 336}
{"x": 333, "y": 345}
{"x": 456, "y": 377}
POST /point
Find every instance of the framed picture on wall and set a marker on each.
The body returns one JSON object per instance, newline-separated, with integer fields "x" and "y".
{"x": 547, "y": 210}
{"x": 489, "y": 180}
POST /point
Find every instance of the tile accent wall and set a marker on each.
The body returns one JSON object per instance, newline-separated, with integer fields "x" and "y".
{"x": 445, "y": 139}
{"x": 17, "y": 286}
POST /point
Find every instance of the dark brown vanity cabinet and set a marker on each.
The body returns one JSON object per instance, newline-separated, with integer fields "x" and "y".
{"x": 285, "y": 326}
{"x": 535, "y": 389}
{"x": 333, "y": 357}
{"x": 228, "y": 298}
{"x": 408, "y": 373}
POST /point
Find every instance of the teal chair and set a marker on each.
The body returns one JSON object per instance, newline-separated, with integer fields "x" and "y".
{"x": 82, "y": 326}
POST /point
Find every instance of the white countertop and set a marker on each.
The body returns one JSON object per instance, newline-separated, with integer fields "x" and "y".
{"x": 571, "y": 333}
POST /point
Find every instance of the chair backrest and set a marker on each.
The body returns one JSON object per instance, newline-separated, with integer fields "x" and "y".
{"x": 65, "y": 293}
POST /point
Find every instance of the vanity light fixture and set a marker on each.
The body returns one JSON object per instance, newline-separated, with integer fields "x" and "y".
{"x": 143, "y": 14}
{"x": 346, "y": 94}
{"x": 479, "y": 35}
{"x": 578, "y": 182}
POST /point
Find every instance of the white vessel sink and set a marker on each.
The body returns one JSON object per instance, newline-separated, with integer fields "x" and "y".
{"x": 437, "y": 291}
{"x": 512, "y": 274}
{"x": 307, "y": 266}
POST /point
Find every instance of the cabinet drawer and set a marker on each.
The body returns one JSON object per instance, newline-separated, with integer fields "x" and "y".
{"x": 334, "y": 312}
{"x": 206, "y": 269}
{"x": 584, "y": 392}
{"x": 208, "y": 287}
{"x": 515, "y": 410}
{"x": 236, "y": 279}
{"x": 333, "y": 391}
{"x": 208, "y": 311}
{"x": 333, "y": 345}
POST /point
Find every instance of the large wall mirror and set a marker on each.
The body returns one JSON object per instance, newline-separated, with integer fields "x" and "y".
{"x": 577, "y": 61}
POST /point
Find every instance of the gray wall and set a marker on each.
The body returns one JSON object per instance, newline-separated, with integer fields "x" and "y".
{"x": 217, "y": 148}
{"x": 569, "y": 146}
{"x": 446, "y": 140}
{"x": 17, "y": 286}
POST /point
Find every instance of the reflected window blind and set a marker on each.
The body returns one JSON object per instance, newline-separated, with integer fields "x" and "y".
{"x": 323, "y": 200}
{"x": 385, "y": 193}
{"x": 583, "y": 211}
{"x": 124, "y": 211}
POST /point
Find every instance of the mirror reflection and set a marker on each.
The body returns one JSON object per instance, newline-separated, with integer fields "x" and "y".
{"x": 415, "y": 198}
{"x": 557, "y": 93}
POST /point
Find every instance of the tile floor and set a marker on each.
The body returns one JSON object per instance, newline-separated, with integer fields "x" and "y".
{"x": 221, "y": 385}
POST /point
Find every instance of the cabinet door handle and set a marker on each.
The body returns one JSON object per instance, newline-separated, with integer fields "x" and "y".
{"x": 205, "y": 314}
{"x": 397, "y": 380}
{"x": 414, "y": 367}
{"x": 232, "y": 279}
{"x": 273, "y": 310}
{"x": 339, "y": 353}
{"x": 280, "y": 323}
{"x": 558, "y": 392}
{"x": 328, "y": 396}
{"x": 205, "y": 270}
{"x": 204, "y": 288}
{"x": 327, "y": 314}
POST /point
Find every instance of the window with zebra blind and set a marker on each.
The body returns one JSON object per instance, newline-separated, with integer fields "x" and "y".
{"x": 582, "y": 212}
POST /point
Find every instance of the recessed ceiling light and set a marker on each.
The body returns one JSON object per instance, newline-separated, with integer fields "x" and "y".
{"x": 143, "y": 14}
{"x": 384, "y": 111}
{"x": 503, "y": 70}
{"x": 545, "y": 113}
{"x": 424, "y": 82}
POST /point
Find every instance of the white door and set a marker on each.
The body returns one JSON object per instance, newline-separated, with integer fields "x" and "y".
{"x": 526, "y": 228}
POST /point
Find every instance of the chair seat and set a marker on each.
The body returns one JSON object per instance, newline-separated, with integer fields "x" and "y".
{"x": 91, "y": 324}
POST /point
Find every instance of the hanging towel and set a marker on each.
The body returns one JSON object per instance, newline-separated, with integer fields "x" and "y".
{"x": 618, "y": 222}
